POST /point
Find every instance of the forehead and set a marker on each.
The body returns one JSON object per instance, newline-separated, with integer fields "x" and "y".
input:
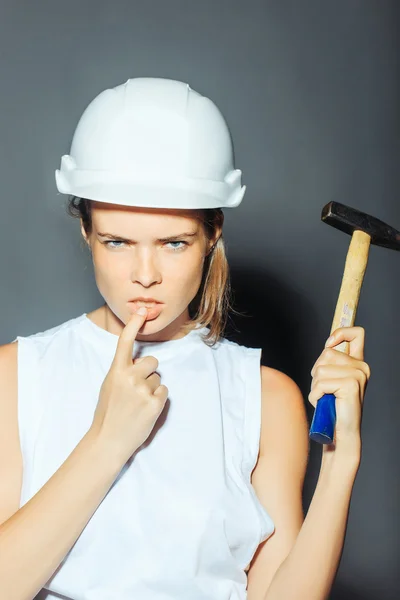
{"x": 106, "y": 214}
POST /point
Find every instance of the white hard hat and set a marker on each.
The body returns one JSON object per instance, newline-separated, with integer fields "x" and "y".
{"x": 152, "y": 142}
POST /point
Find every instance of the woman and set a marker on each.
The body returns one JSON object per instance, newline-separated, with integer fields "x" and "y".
{"x": 148, "y": 458}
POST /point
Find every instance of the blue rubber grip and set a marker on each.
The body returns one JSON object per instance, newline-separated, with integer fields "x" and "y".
{"x": 324, "y": 420}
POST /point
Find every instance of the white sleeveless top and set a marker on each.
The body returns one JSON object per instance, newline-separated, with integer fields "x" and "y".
{"x": 181, "y": 520}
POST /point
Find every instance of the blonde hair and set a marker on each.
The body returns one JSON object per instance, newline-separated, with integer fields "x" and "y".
{"x": 212, "y": 303}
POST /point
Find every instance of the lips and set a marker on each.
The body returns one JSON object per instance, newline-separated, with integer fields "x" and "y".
{"x": 149, "y": 302}
{"x": 146, "y": 304}
{"x": 154, "y": 308}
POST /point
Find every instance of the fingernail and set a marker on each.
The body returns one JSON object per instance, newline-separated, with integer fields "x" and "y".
{"x": 142, "y": 310}
{"x": 329, "y": 341}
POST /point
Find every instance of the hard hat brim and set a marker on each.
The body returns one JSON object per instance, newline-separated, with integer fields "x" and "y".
{"x": 154, "y": 195}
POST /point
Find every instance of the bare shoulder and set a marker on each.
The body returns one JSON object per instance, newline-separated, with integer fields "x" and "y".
{"x": 10, "y": 451}
{"x": 8, "y": 350}
{"x": 283, "y": 414}
{"x": 8, "y": 362}
{"x": 8, "y": 369}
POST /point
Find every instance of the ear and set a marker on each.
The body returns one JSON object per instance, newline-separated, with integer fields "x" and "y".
{"x": 83, "y": 232}
{"x": 212, "y": 243}
{"x": 217, "y": 234}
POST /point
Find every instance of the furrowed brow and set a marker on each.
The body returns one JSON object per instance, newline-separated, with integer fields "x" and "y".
{"x": 171, "y": 238}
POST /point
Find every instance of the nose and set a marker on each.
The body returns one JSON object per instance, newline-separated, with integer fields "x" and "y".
{"x": 145, "y": 269}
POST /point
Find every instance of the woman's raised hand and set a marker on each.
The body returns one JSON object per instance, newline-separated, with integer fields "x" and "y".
{"x": 131, "y": 398}
{"x": 346, "y": 376}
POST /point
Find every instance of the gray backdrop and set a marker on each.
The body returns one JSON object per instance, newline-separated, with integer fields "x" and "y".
{"x": 311, "y": 92}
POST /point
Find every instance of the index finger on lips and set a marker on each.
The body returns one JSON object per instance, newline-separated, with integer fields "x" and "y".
{"x": 354, "y": 335}
{"x": 124, "y": 352}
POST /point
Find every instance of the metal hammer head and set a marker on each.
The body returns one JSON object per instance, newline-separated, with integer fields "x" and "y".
{"x": 349, "y": 219}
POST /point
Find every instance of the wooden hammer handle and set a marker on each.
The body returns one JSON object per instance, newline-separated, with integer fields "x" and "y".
{"x": 354, "y": 270}
{"x": 324, "y": 420}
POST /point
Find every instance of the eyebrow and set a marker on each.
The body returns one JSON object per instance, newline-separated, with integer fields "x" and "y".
{"x": 171, "y": 238}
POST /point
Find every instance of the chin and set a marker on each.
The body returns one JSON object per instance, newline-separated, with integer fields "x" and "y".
{"x": 151, "y": 322}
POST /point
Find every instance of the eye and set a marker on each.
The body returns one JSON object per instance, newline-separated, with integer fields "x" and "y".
{"x": 113, "y": 242}
{"x": 179, "y": 247}
{"x": 174, "y": 248}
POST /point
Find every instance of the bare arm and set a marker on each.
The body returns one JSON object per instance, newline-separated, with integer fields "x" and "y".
{"x": 38, "y": 536}
{"x": 310, "y": 568}
{"x": 301, "y": 559}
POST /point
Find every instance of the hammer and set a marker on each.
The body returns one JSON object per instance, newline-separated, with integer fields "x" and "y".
{"x": 365, "y": 230}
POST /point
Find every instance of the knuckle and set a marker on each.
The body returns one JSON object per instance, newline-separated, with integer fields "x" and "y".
{"x": 319, "y": 371}
{"x": 154, "y": 362}
{"x": 367, "y": 369}
{"x": 164, "y": 391}
{"x": 329, "y": 354}
{"x": 361, "y": 334}
{"x": 315, "y": 365}
{"x": 311, "y": 399}
{"x": 363, "y": 376}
